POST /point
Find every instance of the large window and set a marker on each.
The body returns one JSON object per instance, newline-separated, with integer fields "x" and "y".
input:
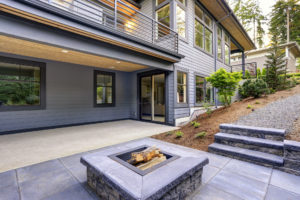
{"x": 163, "y": 16}
{"x": 200, "y": 83}
{"x": 219, "y": 33}
{"x": 203, "y": 30}
{"x": 181, "y": 87}
{"x": 104, "y": 88}
{"x": 21, "y": 84}
{"x": 180, "y": 20}
{"x": 227, "y": 50}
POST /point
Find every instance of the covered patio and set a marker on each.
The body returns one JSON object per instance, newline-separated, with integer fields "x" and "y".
{"x": 23, "y": 149}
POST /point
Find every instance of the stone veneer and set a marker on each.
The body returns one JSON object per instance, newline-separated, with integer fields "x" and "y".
{"x": 172, "y": 181}
{"x": 291, "y": 157}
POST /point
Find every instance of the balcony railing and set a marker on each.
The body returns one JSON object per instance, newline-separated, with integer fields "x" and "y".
{"x": 122, "y": 17}
{"x": 250, "y": 67}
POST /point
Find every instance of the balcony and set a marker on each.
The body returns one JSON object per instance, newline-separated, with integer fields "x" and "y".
{"x": 120, "y": 17}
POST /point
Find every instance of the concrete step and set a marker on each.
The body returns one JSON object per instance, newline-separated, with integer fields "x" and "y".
{"x": 256, "y": 157}
{"x": 251, "y": 131}
{"x": 252, "y": 143}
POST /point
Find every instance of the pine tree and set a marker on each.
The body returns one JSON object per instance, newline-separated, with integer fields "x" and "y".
{"x": 251, "y": 17}
{"x": 276, "y": 66}
{"x": 278, "y": 20}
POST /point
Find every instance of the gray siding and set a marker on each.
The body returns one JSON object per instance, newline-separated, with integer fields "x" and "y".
{"x": 69, "y": 99}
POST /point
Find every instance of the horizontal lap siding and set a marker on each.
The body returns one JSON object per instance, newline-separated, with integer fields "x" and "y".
{"x": 69, "y": 100}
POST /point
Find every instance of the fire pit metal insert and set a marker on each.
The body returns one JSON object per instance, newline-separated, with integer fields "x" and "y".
{"x": 122, "y": 158}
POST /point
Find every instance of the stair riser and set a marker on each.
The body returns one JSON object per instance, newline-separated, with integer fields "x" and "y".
{"x": 254, "y": 134}
{"x": 265, "y": 163}
{"x": 254, "y": 147}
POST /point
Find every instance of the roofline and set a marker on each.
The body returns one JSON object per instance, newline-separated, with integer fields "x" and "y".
{"x": 238, "y": 22}
{"x": 256, "y": 51}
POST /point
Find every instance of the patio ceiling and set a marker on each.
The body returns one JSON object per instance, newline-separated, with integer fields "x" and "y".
{"x": 38, "y": 50}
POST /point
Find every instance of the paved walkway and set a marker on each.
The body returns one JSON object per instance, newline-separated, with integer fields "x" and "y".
{"x": 279, "y": 114}
{"x": 223, "y": 179}
{"x": 19, "y": 150}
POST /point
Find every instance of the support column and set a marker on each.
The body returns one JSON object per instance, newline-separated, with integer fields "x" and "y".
{"x": 243, "y": 62}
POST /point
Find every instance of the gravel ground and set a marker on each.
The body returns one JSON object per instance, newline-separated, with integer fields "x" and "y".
{"x": 279, "y": 114}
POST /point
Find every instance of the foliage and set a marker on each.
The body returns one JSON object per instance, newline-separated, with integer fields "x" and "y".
{"x": 169, "y": 133}
{"x": 225, "y": 82}
{"x": 207, "y": 107}
{"x": 179, "y": 134}
{"x": 289, "y": 75}
{"x": 249, "y": 106}
{"x": 193, "y": 122}
{"x": 196, "y": 125}
{"x": 247, "y": 74}
{"x": 279, "y": 17}
{"x": 276, "y": 66}
{"x": 264, "y": 72}
{"x": 257, "y": 102}
{"x": 258, "y": 73}
{"x": 253, "y": 88}
{"x": 200, "y": 135}
{"x": 251, "y": 17}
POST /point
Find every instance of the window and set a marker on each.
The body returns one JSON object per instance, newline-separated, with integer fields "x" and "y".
{"x": 209, "y": 93}
{"x": 203, "y": 30}
{"x": 219, "y": 32}
{"x": 200, "y": 82}
{"x": 104, "y": 88}
{"x": 21, "y": 84}
{"x": 163, "y": 16}
{"x": 227, "y": 50}
{"x": 180, "y": 21}
{"x": 181, "y": 87}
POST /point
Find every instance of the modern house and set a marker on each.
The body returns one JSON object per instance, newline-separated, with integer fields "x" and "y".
{"x": 258, "y": 57}
{"x": 68, "y": 62}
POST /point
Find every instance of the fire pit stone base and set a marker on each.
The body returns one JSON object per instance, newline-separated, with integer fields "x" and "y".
{"x": 174, "y": 180}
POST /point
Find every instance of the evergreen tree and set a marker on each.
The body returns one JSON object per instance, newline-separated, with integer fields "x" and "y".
{"x": 276, "y": 66}
{"x": 251, "y": 17}
{"x": 278, "y": 23}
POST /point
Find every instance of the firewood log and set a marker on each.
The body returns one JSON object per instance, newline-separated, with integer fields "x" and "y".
{"x": 144, "y": 156}
{"x": 151, "y": 163}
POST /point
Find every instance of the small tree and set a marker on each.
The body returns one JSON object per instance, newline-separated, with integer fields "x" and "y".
{"x": 276, "y": 66}
{"x": 226, "y": 83}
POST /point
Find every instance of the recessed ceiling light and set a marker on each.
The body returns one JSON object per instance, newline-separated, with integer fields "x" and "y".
{"x": 118, "y": 62}
{"x": 112, "y": 67}
{"x": 64, "y": 51}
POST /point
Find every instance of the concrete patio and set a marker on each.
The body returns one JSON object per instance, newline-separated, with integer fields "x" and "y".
{"x": 223, "y": 179}
{"x": 23, "y": 149}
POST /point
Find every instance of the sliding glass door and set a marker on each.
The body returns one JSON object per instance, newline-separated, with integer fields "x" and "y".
{"x": 152, "y": 98}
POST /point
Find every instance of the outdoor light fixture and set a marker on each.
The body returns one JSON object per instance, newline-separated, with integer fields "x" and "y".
{"x": 64, "y": 51}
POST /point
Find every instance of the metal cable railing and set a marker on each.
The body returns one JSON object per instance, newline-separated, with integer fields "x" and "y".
{"x": 122, "y": 17}
{"x": 250, "y": 68}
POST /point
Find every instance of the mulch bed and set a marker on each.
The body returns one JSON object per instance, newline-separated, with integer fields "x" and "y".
{"x": 210, "y": 123}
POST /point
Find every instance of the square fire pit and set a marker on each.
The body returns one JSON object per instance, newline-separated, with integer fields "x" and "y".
{"x": 112, "y": 177}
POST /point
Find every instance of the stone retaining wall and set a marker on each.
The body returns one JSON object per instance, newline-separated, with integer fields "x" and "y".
{"x": 292, "y": 157}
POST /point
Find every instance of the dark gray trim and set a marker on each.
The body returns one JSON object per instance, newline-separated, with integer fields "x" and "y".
{"x": 42, "y": 67}
{"x": 176, "y": 104}
{"x": 81, "y": 20}
{"x": 96, "y": 72}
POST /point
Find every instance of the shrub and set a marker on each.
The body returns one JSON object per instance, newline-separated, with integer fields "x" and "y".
{"x": 200, "y": 135}
{"x": 207, "y": 107}
{"x": 179, "y": 134}
{"x": 258, "y": 73}
{"x": 257, "y": 102}
{"x": 249, "y": 106}
{"x": 225, "y": 82}
{"x": 169, "y": 133}
{"x": 196, "y": 125}
{"x": 253, "y": 88}
{"x": 193, "y": 122}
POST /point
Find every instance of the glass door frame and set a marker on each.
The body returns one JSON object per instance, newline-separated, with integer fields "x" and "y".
{"x": 139, "y": 80}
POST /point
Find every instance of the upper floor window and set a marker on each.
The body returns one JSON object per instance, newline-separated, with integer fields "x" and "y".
{"x": 181, "y": 87}
{"x": 104, "y": 88}
{"x": 203, "y": 30}
{"x": 219, "y": 33}
{"x": 163, "y": 16}
{"x": 21, "y": 84}
{"x": 180, "y": 20}
{"x": 227, "y": 49}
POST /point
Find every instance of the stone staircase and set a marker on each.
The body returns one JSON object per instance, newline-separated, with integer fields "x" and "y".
{"x": 264, "y": 146}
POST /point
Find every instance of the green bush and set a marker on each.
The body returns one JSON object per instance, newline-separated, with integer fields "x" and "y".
{"x": 258, "y": 73}
{"x": 253, "y": 88}
{"x": 193, "y": 122}
{"x": 249, "y": 106}
{"x": 289, "y": 75}
{"x": 196, "y": 125}
{"x": 225, "y": 82}
{"x": 200, "y": 135}
{"x": 207, "y": 107}
{"x": 179, "y": 134}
